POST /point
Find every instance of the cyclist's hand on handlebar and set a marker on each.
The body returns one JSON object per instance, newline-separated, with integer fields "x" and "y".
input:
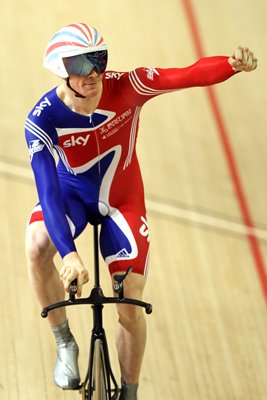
{"x": 73, "y": 268}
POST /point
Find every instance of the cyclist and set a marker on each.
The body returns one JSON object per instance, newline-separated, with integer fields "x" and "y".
{"x": 91, "y": 121}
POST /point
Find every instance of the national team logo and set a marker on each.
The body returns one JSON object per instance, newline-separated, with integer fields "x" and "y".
{"x": 144, "y": 229}
{"x": 35, "y": 146}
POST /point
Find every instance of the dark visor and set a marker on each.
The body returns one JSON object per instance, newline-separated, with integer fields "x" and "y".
{"x": 84, "y": 64}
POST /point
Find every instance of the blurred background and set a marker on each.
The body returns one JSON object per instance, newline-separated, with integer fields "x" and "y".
{"x": 203, "y": 156}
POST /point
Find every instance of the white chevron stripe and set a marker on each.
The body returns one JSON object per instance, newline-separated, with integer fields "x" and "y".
{"x": 137, "y": 85}
{"x": 132, "y": 137}
{"x": 142, "y": 89}
{"x": 63, "y": 158}
{"x": 121, "y": 222}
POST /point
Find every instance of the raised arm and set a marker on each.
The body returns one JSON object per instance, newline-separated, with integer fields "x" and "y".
{"x": 150, "y": 82}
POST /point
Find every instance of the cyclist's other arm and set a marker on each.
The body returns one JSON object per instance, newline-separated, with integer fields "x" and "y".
{"x": 206, "y": 71}
{"x": 44, "y": 168}
{"x": 56, "y": 222}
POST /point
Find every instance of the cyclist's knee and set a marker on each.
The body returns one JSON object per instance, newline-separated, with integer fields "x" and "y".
{"x": 129, "y": 315}
{"x": 39, "y": 247}
{"x": 133, "y": 288}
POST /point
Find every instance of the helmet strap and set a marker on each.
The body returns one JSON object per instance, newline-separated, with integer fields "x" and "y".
{"x": 76, "y": 93}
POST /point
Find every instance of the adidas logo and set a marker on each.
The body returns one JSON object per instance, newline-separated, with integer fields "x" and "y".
{"x": 123, "y": 254}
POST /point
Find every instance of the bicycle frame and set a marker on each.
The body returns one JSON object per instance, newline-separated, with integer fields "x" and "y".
{"x": 98, "y": 337}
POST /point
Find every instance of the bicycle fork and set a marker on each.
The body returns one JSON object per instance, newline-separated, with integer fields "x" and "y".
{"x": 99, "y": 349}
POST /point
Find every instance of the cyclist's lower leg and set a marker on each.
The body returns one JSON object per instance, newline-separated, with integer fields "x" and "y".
{"x": 131, "y": 337}
{"x": 49, "y": 289}
{"x": 43, "y": 274}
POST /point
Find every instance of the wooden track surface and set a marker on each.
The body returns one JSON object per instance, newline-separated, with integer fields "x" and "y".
{"x": 206, "y": 200}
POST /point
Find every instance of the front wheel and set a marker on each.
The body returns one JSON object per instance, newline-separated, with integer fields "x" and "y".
{"x": 99, "y": 390}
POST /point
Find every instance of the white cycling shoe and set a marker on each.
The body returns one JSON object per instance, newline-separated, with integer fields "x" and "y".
{"x": 66, "y": 372}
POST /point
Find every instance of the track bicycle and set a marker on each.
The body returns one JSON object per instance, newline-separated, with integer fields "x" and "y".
{"x": 100, "y": 382}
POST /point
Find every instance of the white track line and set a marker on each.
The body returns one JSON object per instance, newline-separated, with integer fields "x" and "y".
{"x": 204, "y": 219}
{"x": 16, "y": 170}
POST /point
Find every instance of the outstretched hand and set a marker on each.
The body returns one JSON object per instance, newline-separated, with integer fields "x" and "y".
{"x": 243, "y": 60}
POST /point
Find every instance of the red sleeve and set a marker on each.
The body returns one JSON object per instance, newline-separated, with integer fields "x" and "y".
{"x": 151, "y": 82}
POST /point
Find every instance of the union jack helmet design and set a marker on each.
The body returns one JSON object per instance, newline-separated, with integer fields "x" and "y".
{"x": 72, "y": 40}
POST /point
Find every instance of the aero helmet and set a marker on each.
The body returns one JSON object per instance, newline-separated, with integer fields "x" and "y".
{"x": 73, "y": 40}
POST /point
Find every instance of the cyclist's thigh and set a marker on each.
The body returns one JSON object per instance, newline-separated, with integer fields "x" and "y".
{"x": 75, "y": 213}
{"x": 37, "y": 237}
{"x": 33, "y": 228}
{"x": 124, "y": 240}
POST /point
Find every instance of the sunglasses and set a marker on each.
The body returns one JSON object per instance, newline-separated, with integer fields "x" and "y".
{"x": 83, "y": 65}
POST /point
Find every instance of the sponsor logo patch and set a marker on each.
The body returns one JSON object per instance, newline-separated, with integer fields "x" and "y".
{"x": 151, "y": 72}
{"x": 38, "y": 109}
{"x": 144, "y": 229}
{"x": 114, "y": 75}
{"x": 76, "y": 141}
{"x": 35, "y": 146}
